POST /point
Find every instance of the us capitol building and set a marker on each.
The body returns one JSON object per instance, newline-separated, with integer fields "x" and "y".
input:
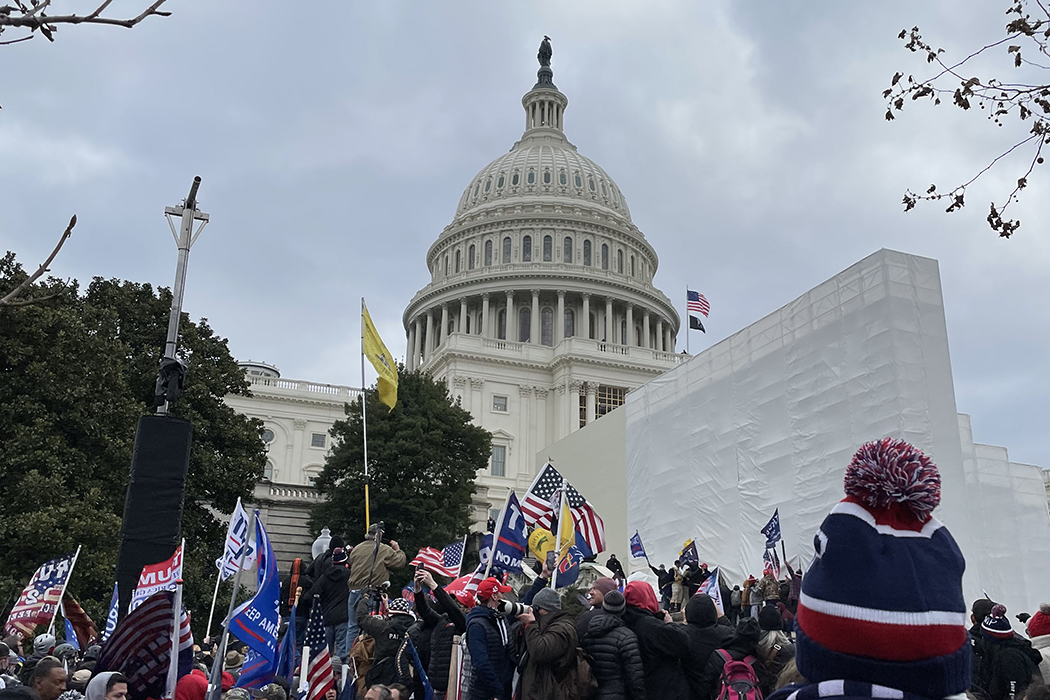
{"x": 540, "y": 315}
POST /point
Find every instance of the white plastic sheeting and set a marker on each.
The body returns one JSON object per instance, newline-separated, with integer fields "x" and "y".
{"x": 770, "y": 417}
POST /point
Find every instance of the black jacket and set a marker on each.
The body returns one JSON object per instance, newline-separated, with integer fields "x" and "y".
{"x": 664, "y": 579}
{"x": 616, "y": 660}
{"x": 444, "y": 624}
{"x": 614, "y": 566}
{"x": 334, "y": 595}
{"x": 713, "y": 672}
{"x": 1005, "y": 666}
{"x": 705, "y": 635}
{"x": 388, "y": 634}
{"x": 665, "y": 648}
{"x": 491, "y": 669}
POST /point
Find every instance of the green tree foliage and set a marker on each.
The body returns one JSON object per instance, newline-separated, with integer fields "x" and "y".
{"x": 76, "y": 373}
{"x": 422, "y": 457}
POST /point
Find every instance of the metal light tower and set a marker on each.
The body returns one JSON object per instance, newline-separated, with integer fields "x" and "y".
{"x": 169, "y": 380}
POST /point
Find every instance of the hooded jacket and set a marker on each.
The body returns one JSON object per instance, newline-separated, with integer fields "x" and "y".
{"x": 1006, "y": 666}
{"x": 616, "y": 658}
{"x": 705, "y": 636}
{"x": 551, "y": 643}
{"x": 388, "y": 634}
{"x": 334, "y": 594}
{"x": 664, "y": 647}
{"x": 96, "y": 687}
{"x": 491, "y": 669}
{"x": 1041, "y": 644}
{"x": 444, "y": 626}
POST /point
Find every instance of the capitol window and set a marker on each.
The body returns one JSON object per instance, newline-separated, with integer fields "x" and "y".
{"x": 499, "y": 403}
{"x": 516, "y": 179}
{"x": 590, "y": 180}
{"x": 488, "y": 252}
{"x": 605, "y": 192}
{"x": 579, "y": 181}
{"x": 570, "y": 323}
{"x": 267, "y": 436}
{"x": 318, "y": 440}
{"x": 531, "y": 177}
{"x": 609, "y": 398}
{"x": 470, "y": 257}
{"x": 446, "y": 266}
{"x": 488, "y": 185}
{"x": 501, "y": 324}
{"x": 476, "y": 187}
{"x": 548, "y": 245}
{"x": 526, "y": 249}
{"x": 563, "y": 178}
{"x": 619, "y": 261}
{"x": 630, "y": 270}
{"x": 268, "y": 471}
{"x": 525, "y": 324}
{"x": 567, "y": 253}
{"x": 605, "y": 257}
{"x": 506, "y": 250}
{"x": 499, "y": 182}
{"x": 586, "y": 252}
{"x": 457, "y": 261}
{"x": 499, "y": 460}
{"x": 547, "y": 326}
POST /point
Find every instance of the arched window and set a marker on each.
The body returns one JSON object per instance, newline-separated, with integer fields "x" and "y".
{"x": 605, "y": 256}
{"x": 525, "y": 324}
{"x": 499, "y": 182}
{"x": 526, "y": 249}
{"x": 586, "y": 252}
{"x": 268, "y": 471}
{"x": 516, "y": 178}
{"x": 563, "y": 178}
{"x": 446, "y": 265}
{"x": 451, "y": 326}
{"x": 548, "y": 245}
{"x": 501, "y": 324}
{"x": 579, "y": 181}
{"x": 570, "y": 323}
{"x": 466, "y": 325}
{"x": 631, "y": 270}
{"x": 547, "y": 326}
{"x": 506, "y": 250}
{"x": 531, "y": 177}
{"x": 488, "y": 252}
{"x": 457, "y": 261}
{"x": 488, "y": 184}
{"x": 623, "y": 332}
{"x": 470, "y": 257}
{"x": 619, "y": 261}
{"x": 567, "y": 253}
{"x": 546, "y": 177}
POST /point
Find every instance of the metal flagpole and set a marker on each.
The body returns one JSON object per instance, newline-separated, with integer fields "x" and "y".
{"x": 688, "y": 321}
{"x": 51, "y": 629}
{"x": 364, "y": 414}
{"x": 214, "y": 596}
{"x": 495, "y": 535}
{"x": 176, "y": 629}
{"x": 215, "y": 681}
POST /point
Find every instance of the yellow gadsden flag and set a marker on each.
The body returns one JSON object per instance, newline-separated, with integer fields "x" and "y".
{"x": 566, "y": 528}
{"x": 373, "y": 348}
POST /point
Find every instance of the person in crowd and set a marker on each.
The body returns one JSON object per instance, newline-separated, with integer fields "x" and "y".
{"x": 78, "y": 681}
{"x": 388, "y": 635}
{"x": 192, "y": 686}
{"x": 237, "y": 694}
{"x": 270, "y": 691}
{"x": 616, "y": 660}
{"x": 49, "y": 678}
{"x": 5, "y": 658}
{"x": 491, "y": 667}
{"x": 774, "y": 646}
{"x": 399, "y": 692}
{"x": 379, "y": 692}
{"x": 110, "y": 685}
{"x": 789, "y": 674}
{"x": 324, "y": 561}
{"x": 769, "y": 586}
{"x": 595, "y": 596}
{"x": 742, "y": 646}
{"x": 232, "y": 663}
{"x": 1039, "y": 632}
{"x": 705, "y": 635}
{"x": 296, "y": 579}
{"x": 550, "y": 640}
{"x": 334, "y": 593}
{"x": 1008, "y": 661}
{"x": 1037, "y": 692}
{"x": 613, "y": 565}
{"x": 664, "y": 583}
{"x": 880, "y": 553}
{"x": 664, "y": 646}
{"x": 736, "y": 601}
{"x": 43, "y": 645}
{"x": 446, "y": 621}
{"x": 67, "y": 653}
{"x": 91, "y": 655}
{"x": 370, "y": 565}
{"x": 678, "y": 588}
{"x": 757, "y": 598}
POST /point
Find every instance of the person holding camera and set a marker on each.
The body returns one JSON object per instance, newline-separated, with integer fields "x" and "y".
{"x": 492, "y": 670}
{"x": 389, "y": 634}
{"x": 550, "y": 639}
{"x": 370, "y": 563}
{"x": 447, "y": 621}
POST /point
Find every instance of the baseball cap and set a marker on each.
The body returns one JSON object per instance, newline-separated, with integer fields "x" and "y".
{"x": 270, "y": 691}
{"x": 488, "y": 587}
{"x": 465, "y": 598}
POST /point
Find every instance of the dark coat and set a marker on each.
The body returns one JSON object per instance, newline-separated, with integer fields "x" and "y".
{"x": 334, "y": 594}
{"x": 583, "y": 622}
{"x": 551, "y": 643}
{"x": 491, "y": 669}
{"x": 705, "y": 636}
{"x": 1002, "y": 662}
{"x": 665, "y": 648}
{"x": 616, "y": 660}
{"x": 664, "y": 579}
{"x": 444, "y": 624}
{"x": 388, "y": 635}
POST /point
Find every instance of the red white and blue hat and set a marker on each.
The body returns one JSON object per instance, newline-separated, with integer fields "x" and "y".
{"x": 882, "y": 601}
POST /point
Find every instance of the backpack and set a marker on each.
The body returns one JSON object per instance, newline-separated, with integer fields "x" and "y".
{"x": 738, "y": 681}
{"x": 579, "y": 680}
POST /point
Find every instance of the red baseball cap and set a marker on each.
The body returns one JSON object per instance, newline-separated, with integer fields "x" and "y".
{"x": 465, "y": 598}
{"x": 489, "y": 586}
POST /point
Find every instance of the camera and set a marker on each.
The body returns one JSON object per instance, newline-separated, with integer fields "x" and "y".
{"x": 512, "y": 609}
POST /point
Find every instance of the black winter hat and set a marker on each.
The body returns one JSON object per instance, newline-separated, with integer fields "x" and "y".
{"x": 701, "y": 611}
{"x": 336, "y": 542}
{"x": 769, "y": 618}
{"x": 614, "y": 603}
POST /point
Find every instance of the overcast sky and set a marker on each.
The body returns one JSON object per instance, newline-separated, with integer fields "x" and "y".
{"x": 334, "y": 140}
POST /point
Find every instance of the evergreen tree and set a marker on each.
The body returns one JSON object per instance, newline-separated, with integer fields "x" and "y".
{"x": 422, "y": 459}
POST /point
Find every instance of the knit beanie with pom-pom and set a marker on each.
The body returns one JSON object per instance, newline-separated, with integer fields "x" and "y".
{"x": 1039, "y": 624}
{"x": 997, "y": 625}
{"x": 882, "y": 602}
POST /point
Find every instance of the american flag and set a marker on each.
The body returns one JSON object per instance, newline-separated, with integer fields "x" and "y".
{"x": 83, "y": 627}
{"x": 446, "y": 562}
{"x": 539, "y": 508}
{"x": 140, "y": 647}
{"x": 695, "y": 301}
{"x": 39, "y": 600}
{"x": 319, "y": 675}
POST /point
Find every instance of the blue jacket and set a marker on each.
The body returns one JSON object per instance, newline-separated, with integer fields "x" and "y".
{"x": 491, "y": 669}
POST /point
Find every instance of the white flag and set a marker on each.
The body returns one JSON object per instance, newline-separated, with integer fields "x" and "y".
{"x": 710, "y": 587}
{"x": 235, "y": 538}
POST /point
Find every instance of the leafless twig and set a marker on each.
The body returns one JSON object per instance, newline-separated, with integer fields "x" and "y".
{"x": 18, "y": 15}
{"x": 11, "y": 299}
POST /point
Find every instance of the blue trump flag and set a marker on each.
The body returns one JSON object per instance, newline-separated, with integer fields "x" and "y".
{"x": 637, "y": 550}
{"x": 512, "y": 538}
{"x": 111, "y": 619}
{"x": 257, "y": 622}
{"x": 286, "y": 656}
{"x": 772, "y": 530}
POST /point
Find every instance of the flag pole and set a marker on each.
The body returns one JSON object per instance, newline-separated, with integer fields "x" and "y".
{"x": 557, "y": 536}
{"x": 215, "y": 681}
{"x": 460, "y": 571}
{"x": 214, "y": 597}
{"x": 495, "y": 535}
{"x": 364, "y": 414}
{"x": 688, "y": 321}
{"x": 176, "y": 633}
{"x": 51, "y": 628}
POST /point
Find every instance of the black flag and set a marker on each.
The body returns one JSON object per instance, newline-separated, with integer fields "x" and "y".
{"x": 695, "y": 325}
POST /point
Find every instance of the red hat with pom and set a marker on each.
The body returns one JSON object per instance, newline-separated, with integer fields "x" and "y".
{"x": 882, "y": 601}
{"x": 1039, "y": 624}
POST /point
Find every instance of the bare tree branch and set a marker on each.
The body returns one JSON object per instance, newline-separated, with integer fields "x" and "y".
{"x": 35, "y": 18}
{"x": 11, "y": 299}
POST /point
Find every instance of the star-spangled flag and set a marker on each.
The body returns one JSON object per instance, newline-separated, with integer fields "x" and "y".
{"x": 319, "y": 675}
{"x": 695, "y": 302}
{"x": 140, "y": 647}
{"x": 40, "y": 597}
{"x": 538, "y": 507}
{"x": 772, "y": 530}
{"x": 446, "y": 562}
{"x": 772, "y": 562}
{"x": 485, "y": 548}
{"x": 637, "y": 550}
{"x": 710, "y": 587}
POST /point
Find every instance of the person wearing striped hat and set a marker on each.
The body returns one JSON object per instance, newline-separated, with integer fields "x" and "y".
{"x": 1007, "y": 660}
{"x": 881, "y": 612}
